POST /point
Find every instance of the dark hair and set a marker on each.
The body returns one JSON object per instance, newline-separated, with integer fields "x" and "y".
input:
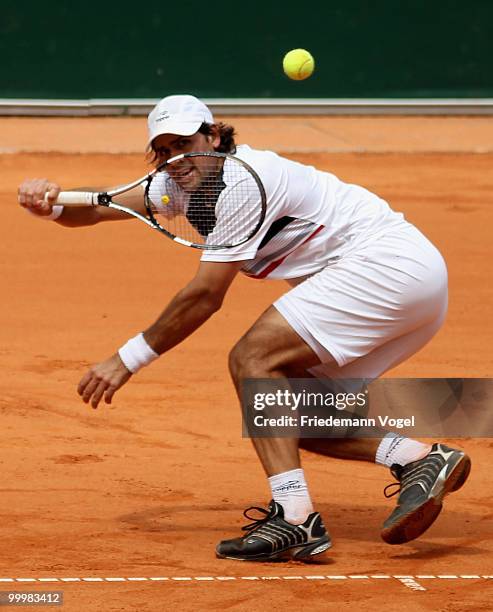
{"x": 226, "y": 133}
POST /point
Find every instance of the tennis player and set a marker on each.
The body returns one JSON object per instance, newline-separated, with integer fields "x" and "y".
{"x": 368, "y": 290}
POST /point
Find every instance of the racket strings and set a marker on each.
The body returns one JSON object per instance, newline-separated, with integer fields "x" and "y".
{"x": 201, "y": 209}
{"x": 207, "y": 201}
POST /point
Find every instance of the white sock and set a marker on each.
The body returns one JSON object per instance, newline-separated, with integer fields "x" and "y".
{"x": 289, "y": 489}
{"x": 396, "y": 449}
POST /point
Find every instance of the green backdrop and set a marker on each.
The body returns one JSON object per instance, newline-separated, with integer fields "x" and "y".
{"x": 363, "y": 49}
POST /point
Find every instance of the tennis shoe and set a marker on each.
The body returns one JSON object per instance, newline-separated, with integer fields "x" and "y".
{"x": 422, "y": 485}
{"x": 272, "y": 537}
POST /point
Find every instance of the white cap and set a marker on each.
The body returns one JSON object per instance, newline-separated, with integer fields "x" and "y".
{"x": 182, "y": 115}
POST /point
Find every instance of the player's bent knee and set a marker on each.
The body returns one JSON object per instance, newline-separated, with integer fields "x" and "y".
{"x": 239, "y": 358}
{"x": 247, "y": 360}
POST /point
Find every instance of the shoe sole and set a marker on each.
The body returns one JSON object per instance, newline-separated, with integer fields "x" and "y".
{"x": 410, "y": 526}
{"x": 299, "y": 553}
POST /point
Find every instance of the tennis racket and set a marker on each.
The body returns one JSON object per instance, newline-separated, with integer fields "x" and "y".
{"x": 203, "y": 200}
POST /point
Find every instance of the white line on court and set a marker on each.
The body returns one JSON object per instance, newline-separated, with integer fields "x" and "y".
{"x": 409, "y": 581}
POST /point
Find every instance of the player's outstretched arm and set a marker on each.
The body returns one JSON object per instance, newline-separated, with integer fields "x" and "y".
{"x": 192, "y": 306}
{"x": 39, "y": 196}
{"x": 187, "y": 311}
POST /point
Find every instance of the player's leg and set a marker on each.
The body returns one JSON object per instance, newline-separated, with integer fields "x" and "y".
{"x": 272, "y": 349}
{"x": 425, "y": 474}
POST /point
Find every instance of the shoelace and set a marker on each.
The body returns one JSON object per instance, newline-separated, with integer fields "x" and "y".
{"x": 397, "y": 484}
{"x": 389, "y": 486}
{"x": 402, "y": 477}
{"x": 268, "y": 514}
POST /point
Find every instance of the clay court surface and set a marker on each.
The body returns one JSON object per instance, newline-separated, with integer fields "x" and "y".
{"x": 141, "y": 491}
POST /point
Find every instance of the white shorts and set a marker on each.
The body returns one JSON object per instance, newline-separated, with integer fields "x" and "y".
{"x": 373, "y": 308}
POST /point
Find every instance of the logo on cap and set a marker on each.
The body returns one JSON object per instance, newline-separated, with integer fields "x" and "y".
{"x": 162, "y": 116}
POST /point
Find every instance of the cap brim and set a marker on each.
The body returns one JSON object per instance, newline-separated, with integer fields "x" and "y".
{"x": 180, "y": 128}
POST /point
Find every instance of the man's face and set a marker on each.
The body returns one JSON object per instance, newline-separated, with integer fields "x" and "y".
{"x": 188, "y": 173}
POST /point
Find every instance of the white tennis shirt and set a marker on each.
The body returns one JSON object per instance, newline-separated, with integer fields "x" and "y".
{"x": 312, "y": 218}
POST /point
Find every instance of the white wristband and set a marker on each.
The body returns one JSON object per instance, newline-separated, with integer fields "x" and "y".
{"x": 136, "y": 353}
{"x": 56, "y": 211}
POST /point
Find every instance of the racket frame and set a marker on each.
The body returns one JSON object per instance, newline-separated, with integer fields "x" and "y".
{"x": 224, "y": 156}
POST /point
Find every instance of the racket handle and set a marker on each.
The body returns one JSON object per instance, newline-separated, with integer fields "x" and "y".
{"x": 77, "y": 198}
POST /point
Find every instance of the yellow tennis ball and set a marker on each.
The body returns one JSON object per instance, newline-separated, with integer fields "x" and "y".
{"x": 298, "y": 64}
{"x": 165, "y": 199}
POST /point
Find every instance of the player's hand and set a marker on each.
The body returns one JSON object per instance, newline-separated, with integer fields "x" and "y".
{"x": 103, "y": 379}
{"x": 31, "y": 195}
